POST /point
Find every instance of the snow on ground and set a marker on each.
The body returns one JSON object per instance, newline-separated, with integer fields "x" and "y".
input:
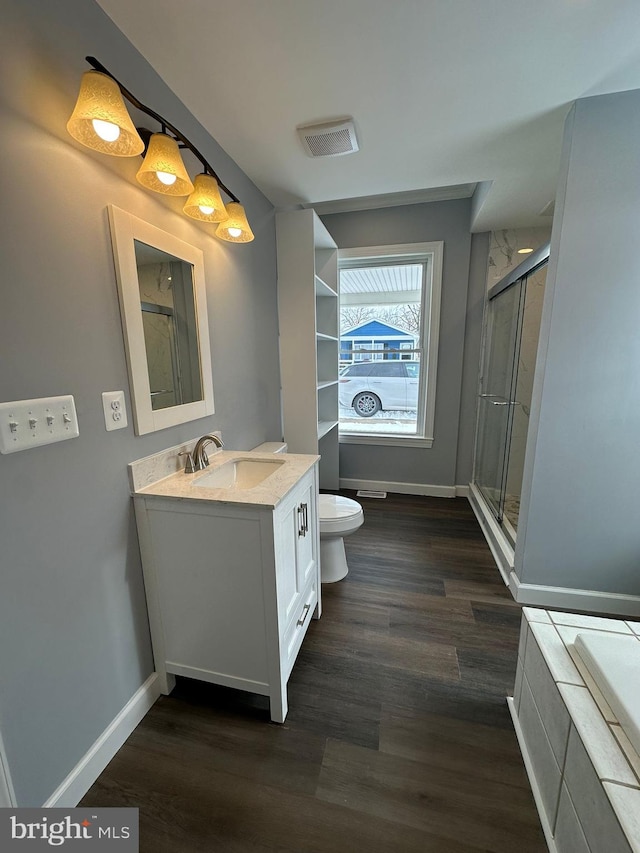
{"x": 382, "y": 423}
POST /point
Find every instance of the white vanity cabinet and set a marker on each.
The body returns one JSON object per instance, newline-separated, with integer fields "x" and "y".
{"x": 231, "y": 587}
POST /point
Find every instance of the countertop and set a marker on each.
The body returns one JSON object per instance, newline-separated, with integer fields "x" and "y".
{"x": 180, "y": 486}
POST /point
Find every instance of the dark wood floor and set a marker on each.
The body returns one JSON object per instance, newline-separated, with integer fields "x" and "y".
{"x": 398, "y": 738}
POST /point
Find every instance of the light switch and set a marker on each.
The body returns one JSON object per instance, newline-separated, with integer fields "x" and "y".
{"x": 32, "y": 423}
{"x": 115, "y": 412}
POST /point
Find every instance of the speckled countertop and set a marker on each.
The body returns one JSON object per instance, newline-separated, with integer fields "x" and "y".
{"x": 181, "y": 486}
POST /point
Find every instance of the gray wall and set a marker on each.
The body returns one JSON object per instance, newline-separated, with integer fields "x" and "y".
{"x": 74, "y": 643}
{"x": 471, "y": 364}
{"x": 447, "y": 221}
{"x": 580, "y": 501}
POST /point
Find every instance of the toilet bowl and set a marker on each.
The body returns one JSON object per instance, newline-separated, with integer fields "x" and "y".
{"x": 339, "y": 516}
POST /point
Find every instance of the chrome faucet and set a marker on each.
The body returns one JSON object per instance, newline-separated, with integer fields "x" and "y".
{"x": 200, "y": 458}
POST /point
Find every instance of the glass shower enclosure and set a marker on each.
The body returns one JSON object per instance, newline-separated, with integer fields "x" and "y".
{"x": 512, "y": 330}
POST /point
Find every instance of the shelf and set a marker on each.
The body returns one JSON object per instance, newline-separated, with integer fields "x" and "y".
{"x": 325, "y": 426}
{"x": 323, "y": 289}
{"x": 309, "y": 325}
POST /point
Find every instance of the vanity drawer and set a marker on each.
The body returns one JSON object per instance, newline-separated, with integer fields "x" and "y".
{"x": 297, "y": 628}
{"x": 552, "y": 710}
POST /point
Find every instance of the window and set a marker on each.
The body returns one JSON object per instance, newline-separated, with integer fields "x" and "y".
{"x": 358, "y": 370}
{"x": 389, "y": 321}
{"x": 389, "y": 370}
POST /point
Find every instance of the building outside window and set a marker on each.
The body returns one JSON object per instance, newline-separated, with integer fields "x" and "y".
{"x": 389, "y": 321}
{"x": 373, "y": 340}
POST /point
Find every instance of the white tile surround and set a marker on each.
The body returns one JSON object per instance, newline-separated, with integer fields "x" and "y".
{"x": 584, "y": 772}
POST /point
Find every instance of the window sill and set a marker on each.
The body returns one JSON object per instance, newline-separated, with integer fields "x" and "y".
{"x": 386, "y": 440}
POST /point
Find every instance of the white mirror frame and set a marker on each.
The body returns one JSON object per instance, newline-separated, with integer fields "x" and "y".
{"x": 125, "y": 229}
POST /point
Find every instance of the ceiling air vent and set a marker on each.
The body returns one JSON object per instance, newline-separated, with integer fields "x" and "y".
{"x": 329, "y": 139}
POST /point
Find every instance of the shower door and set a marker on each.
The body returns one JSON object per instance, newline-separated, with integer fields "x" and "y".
{"x": 494, "y": 409}
{"x": 506, "y": 384}
{"x": 533, "y": 288}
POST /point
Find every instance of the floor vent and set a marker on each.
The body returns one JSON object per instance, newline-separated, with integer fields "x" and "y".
{"x": 369, "y": 493}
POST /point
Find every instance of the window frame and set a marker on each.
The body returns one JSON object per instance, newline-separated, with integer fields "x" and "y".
{"x": 431, "y": 254}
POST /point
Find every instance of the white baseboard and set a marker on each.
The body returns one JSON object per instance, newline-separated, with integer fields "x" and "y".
{"x": 548, "y": 835}
{"x": 400, "y": 488}
{"x": 69, "y": 793}
{"x": 564, "y": 598}
{"x": 462, "y": 491}
{"x": 496, "y": 540}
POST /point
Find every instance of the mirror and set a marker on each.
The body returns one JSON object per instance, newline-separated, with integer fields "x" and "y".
{"x": 164, "y": 317}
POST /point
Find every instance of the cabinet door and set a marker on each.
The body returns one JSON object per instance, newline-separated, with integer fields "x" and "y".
{"x": 306, "y": 557}
{"x": 296, "y": 558}
{"x": 287, "y": 535}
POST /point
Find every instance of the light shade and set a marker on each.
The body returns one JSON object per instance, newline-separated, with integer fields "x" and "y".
{"x": 100, "y": 119}
{"x": 235, "y": 229}
{"x": 162, "y": 169}
{"x": 205, "y": 202}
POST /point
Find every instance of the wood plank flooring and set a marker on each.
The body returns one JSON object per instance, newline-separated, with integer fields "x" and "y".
{"x": 398, "y": 738}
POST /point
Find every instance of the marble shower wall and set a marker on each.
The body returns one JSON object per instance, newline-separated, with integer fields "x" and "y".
{"x": 504, "y": 257}
{"x": 524, "y": 388}
{"x": 503, "y": 252}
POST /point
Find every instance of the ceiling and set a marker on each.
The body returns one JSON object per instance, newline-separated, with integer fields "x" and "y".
{"x": 443, "y": 92}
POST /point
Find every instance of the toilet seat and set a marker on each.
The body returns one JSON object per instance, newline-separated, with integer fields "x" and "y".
{"x": 339, "y": 515}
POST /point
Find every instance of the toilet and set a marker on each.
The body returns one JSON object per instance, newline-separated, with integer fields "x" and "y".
{"x": 339, "y": 516}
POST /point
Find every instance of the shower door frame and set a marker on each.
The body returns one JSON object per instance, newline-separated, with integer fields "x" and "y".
{"x": 501, "y": 544}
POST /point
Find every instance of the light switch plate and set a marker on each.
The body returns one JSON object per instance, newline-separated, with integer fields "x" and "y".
{"x": 32, "y": 423}
{"x": 115, "y": 411}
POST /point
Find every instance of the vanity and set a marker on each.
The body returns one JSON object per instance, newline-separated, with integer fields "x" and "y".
{"x": 231, "y": 569}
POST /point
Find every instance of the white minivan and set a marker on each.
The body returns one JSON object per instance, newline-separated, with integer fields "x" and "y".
{"x": 373, "y": 386}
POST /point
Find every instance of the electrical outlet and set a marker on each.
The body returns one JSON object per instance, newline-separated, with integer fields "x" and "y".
{"x": 115, "y": 412}
{"x": 32, "y": 423}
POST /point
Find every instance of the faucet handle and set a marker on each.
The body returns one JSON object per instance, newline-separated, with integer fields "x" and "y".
{"x": 203, "y": 459}
{"x": 189, "y": 467}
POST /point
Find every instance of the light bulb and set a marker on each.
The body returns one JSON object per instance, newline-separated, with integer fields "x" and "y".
{"x": 206, "y": 209}
{"x": 524, "y": 251}
{"x": 234, "y": 232}
{"x": 106, "y": 130}
{"x": 166, "y": 178}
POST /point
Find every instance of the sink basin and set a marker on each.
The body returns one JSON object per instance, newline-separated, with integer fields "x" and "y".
{"x": 239, "y": 474}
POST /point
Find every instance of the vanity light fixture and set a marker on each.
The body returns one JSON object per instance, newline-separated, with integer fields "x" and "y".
{"x": 205, "y": 202}
{"x": 100, "y": 121}
{"x": 235, "y": 229}
{"x": 162, "y": 169}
